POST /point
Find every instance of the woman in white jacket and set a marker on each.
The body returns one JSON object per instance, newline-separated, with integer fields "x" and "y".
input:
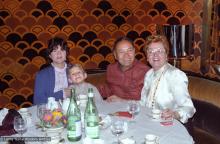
{"x": 165, "y": 86}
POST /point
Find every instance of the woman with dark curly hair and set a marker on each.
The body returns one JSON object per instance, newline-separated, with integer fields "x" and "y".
{"x": 52, "y": 80}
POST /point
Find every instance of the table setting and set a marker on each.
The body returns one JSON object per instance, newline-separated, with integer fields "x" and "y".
{"x": 120, "y": 122}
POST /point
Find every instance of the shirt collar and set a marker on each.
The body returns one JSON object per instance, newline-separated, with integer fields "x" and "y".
{"x": 158, "y": 72}
{"x": 60, "y": 69}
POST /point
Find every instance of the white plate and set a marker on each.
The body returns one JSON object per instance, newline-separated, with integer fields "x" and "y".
{"x": 24, "y": 112}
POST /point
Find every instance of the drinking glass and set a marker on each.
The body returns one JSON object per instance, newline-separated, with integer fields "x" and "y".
{"x": 133, "y": 108}
{"x": 118, "y": 128}
{"x": 41, "y": 111}
{"x": 20, "y": 125}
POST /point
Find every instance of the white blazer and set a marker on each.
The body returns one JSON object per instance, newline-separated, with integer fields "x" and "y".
{"x": 171, "y": 92}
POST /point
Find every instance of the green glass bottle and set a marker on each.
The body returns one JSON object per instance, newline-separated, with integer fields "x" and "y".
{"x": 74, "y": 126}
{"x": 91, "y": 117}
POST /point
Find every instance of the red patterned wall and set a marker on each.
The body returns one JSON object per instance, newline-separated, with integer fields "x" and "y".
{"x": 89, "y": 26}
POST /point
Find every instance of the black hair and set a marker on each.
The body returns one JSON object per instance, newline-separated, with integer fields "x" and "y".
{"x": 54, "y": 43}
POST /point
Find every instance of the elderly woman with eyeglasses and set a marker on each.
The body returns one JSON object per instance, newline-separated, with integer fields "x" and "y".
{"x": 165, "y": 86}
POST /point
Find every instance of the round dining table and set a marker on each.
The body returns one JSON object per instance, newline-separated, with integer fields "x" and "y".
{"x": 136, "y": 128}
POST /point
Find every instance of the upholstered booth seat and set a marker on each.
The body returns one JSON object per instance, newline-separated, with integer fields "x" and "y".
{"x": 206, "y": 98}
{"x": 206, "y": 123}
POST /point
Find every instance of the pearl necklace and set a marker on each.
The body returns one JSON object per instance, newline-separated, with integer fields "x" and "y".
{"x": 154, "y": 93}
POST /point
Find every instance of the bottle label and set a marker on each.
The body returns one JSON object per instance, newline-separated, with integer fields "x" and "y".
{"x": 74, "y": 127}
{"x": 92, "y": 131}
{"x": 92, "y": 127}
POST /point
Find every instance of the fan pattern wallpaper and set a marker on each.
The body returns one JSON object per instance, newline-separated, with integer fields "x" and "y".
{"x": 90, "y": 28}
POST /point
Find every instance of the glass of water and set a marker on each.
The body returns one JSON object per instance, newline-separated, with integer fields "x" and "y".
{"x": 133, "y": 108}
{"x": 117, "y": 128}
{"x": 20, "y": 125}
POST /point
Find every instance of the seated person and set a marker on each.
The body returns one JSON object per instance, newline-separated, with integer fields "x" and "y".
{"x": 165, "y": 86}
{"x": 76, "y": 77}
{"x": 124, "y": 79}
{"x": 52, "y": 80}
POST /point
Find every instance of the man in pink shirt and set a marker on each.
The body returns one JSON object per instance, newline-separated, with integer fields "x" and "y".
{"x": 124, "y": 79}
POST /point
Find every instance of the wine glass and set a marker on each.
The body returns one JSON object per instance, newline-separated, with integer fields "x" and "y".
{"x": 20, "y": 125}
{"x": 133, "y": 108}
{"x": 118, "y": 128}
{"x": 41, "y": 111}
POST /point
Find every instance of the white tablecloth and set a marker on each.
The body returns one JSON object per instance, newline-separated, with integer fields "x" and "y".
{"x": 175, "y": 134}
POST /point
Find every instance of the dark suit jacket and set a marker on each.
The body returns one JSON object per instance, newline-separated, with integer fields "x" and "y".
{"x": 44, "y": 86}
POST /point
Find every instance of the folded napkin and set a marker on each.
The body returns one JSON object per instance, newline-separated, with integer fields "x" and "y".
{"x": 7, "y": 127}
{"x": 122, "y": 114}
{"x": 3, "y": 113}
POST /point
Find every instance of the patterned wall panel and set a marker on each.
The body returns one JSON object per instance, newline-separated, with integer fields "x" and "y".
{"x": 90, "y": 28}
{"x": 215, "y": 37}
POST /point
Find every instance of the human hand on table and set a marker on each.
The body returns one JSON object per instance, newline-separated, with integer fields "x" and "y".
{"x": 114, "y": 98}
{"x": 169, "y": 114}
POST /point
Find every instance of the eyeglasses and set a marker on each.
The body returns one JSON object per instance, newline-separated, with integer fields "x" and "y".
{"x": 155, "y": 51}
